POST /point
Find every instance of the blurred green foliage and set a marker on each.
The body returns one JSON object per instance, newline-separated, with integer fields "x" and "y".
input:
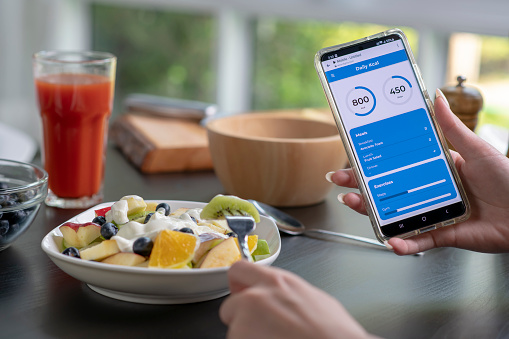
{"x": 494, "y": 57}
{"x": 494, "y": 80}
{"x": 159, "y": 52}
{"x": 284, "y": 73}
{"x": 173, "y": 54}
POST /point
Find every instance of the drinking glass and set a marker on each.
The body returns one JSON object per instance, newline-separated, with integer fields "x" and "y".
{"x": 75, "y": 95}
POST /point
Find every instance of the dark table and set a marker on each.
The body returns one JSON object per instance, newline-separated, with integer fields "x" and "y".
{"x": 447, "y": 293}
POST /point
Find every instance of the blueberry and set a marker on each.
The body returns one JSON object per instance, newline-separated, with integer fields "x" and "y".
{"x": 147, "y": 218}
{"x": 72, "y": 252}
{"x": 16, "y": 216}
{"x": 165, "y": 207}
{"x": 14, "y": 228}
{"x": 186, "y": 230}
{"x": 99, "y": 220}
{"x": 108, "y": 230}
{"x": 143, "y": 246}
{"x": 4, "y": 227}
{"x": 15, "y": 197}
{"x": 3, "y": 199}
{"x": 1, "y": 215}
{"x": 28, "y": 195}
{"x": 3, "y": 186}
{"x": 194, "y": 219}
{"x": 9, "y": 203}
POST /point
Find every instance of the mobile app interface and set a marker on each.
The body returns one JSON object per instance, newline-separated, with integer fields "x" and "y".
{"x": 387, "y": 123}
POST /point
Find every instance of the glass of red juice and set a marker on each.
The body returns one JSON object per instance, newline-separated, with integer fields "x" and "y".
{"x": 75, "y": 95}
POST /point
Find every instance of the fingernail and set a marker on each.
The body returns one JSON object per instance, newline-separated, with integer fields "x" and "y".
{"x": 328, "y": 176}
{"x": 340, "y": 198}
{"x": 439, "y": 94}
{"x": 389, "y": 247}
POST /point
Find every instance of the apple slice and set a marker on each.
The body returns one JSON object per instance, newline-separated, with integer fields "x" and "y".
{"x": 262, "y": 248}
{"x": 79, "y": 235}
{"x": 207, "y": 241}
{"x": 100, "y": 251}
{"x": 259, "y": 257}
{"x": 59, "y": 241}
{"x": 125, "y": 259}
{"x": 179, "y": 211}
{"x": 143, "y": 264}
{"x": 224, "y": 254}
{"x": 102, "y": 211}
{"x": 135, "y": 205}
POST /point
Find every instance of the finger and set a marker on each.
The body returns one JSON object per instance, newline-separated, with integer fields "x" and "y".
{"x": 423, "y": 242}
{"x": 243, "y": 274}
{"x": 345, "y": 178}
{"x": 466, "y": 142}
{"x": 354, "y": 201}
{"x": 408, "y": 246}
{"x": 227, "y": 309}
{"x": 456, "y": 156}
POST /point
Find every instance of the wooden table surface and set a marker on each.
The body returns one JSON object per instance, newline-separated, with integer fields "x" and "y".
{"x": 447, "y": 293}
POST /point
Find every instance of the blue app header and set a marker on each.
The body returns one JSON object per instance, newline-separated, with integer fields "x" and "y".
{"x": 366, "y": 66}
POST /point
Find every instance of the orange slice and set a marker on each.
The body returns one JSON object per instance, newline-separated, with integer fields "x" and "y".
{"x": 252, "y": 242}
{"x": 172, "y": 249}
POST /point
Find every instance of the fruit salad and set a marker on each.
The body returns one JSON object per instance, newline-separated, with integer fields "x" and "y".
{"x": 133, "y": 232}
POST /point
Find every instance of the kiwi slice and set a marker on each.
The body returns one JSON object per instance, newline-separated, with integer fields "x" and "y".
{"x": 140, "y": 217}
{"x": 226, "y": 205}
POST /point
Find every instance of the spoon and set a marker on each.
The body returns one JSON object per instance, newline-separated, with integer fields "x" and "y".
{"x": 288, "y": 224}
{"x": 242, "y": 226}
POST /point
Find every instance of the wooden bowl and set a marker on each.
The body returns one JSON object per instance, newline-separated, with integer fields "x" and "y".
{"x": 278, "y": 159}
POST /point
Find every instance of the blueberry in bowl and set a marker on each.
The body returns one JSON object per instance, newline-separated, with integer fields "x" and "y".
{"x": 23, "y": 187}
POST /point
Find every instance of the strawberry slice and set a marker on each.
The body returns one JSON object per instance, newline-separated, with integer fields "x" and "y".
{"x": 102, "y": 212}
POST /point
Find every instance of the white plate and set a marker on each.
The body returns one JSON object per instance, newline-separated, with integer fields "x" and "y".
{"x": 148, "y": 285}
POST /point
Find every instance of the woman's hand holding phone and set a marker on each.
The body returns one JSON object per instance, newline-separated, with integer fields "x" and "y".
{"x": 484, "y": 172}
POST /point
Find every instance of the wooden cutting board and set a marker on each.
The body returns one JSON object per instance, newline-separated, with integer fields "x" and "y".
{"x": 158, "y": 144}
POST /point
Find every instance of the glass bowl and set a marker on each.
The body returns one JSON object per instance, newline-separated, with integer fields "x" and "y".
{"x": 23, "y": 187}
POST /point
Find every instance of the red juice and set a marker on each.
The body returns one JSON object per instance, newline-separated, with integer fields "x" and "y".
{"x": 75, "y": 109}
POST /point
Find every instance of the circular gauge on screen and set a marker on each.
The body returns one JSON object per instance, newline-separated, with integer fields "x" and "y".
{"x": 361, "y": 101}
{"x": 398, "y": 89}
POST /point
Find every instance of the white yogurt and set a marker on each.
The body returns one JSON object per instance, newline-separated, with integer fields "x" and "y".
{"x": 133, "y": 230}
{"x": 118, "y": 212}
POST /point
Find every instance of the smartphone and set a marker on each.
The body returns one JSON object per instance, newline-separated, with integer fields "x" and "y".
{"x": 395, "y": 147}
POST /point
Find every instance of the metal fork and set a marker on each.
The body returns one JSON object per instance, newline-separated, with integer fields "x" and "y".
{"x": 242, "y": 226}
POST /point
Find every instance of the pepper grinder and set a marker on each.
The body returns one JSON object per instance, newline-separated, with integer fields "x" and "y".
{"x": 465, "y": 102}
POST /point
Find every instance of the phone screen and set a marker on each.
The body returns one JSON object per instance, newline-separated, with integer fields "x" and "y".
{"x": 393, "y": 139}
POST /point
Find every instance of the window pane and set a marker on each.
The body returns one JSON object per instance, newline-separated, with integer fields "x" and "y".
{"x": 159, "y": 52}
{"x": 284, "y": 73}
{"x": 494, "y": 80}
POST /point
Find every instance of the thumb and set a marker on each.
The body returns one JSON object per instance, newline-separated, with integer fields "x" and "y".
{"x": 466, "y": 142}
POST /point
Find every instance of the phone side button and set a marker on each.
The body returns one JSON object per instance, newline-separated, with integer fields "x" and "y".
{"x": 430, "y": 104}
{"x": 426, "y": 229}
{"x": 447, "y": 223}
